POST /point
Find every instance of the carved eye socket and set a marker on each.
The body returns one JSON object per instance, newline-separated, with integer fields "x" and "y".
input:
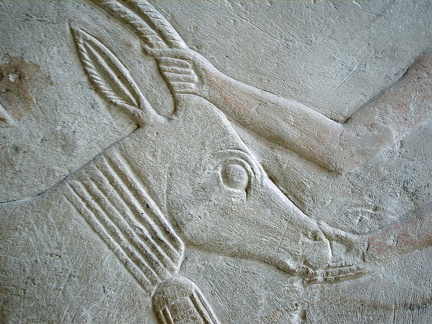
{"x": 237, "y": 170}
{"x": 235, "y": 176}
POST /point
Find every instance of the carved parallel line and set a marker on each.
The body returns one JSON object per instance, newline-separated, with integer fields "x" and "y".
{"x": 154, "y": 229}
{"x": 202, "y": 307}
{"x": 153, "y": 208}
{"x": 129, "y": 233}
{"x": 114, "y": 246}
{"x": 166, "y": 316}
{"x": 128, "y": 197}
{"x": 153, "y": 215}
{"x": 113, "y": 232}
{"x": 89, "y": 196}
{"x": 127, "y": 209}
{"x": 168, "y": 237}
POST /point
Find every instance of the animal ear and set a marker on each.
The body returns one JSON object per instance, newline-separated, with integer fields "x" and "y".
{"x": 156, "y": 33}
{"x": 111, "y": 78}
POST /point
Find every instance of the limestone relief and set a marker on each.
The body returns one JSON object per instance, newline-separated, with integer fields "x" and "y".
{"x": 197, "y": 179}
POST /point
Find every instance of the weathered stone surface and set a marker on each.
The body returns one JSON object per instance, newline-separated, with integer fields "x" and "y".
{"x": 227, "y": 161}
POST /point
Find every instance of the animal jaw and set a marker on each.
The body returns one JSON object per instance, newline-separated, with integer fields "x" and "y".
{"x": 219, "y": 198}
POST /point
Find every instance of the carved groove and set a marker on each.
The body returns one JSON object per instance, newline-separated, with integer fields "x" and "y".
{"x": 134, "y": 207}
{"x": 168, "y": 237}
{"x": 202, "y": 308}
{"x": 128, "y": 211}
{"x": 118, "y": 250}
{"x": 114, "y": 202}
{"x": 142, "y": 17}
{"x": 166, "y": 317}
{"x": 115, "y": 233}
{"x": 125, "y": 228}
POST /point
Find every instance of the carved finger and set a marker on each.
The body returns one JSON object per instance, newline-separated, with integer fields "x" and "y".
{"x": 175, "y": 69}
{"x": 155, "y": 51}
{"x": 335, "y": 234}
{"x": 336, "y": 274}
{"x": 176, "y": 62}
{"x": 168, "y": 52}
{"x": 344, "y": 273}
{"x": 183, "y": 87}
{"x": 174, "y": 77}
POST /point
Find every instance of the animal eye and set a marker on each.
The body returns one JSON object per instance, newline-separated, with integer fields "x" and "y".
{"x": 235, "y": 176}
{"x": 237, "y": 170}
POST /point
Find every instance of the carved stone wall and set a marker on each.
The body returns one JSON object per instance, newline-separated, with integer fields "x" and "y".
{"x": 215, "y": 162}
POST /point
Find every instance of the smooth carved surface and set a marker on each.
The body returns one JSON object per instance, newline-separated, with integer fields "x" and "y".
{"x": 195, "y": 182}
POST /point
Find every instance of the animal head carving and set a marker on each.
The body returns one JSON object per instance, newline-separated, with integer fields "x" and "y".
{"x": 206, "y": 180}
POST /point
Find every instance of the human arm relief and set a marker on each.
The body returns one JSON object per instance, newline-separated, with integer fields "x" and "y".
{"x": 412, "y": 232}
{"x": 335, "y": 146}
{"x": 330, "y": 144}
{"x": 280, "y": 120}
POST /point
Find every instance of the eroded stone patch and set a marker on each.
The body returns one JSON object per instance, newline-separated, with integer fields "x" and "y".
{"x": 19, "y": 81}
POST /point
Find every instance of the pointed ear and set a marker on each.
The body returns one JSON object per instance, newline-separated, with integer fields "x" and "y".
{"x": 112, "y": 79}
{"x": 156, "y": 33}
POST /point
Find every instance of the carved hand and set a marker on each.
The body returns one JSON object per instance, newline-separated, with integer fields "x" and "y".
{"x": 355, "y": 245}
{"x": 185, "y": 71}
{"x": 348, "y": 265}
